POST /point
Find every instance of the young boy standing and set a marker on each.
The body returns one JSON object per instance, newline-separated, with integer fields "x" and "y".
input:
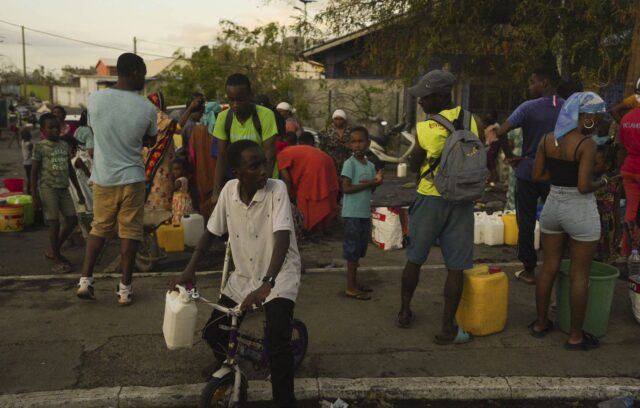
{"x": 51, "y": 167}
{"x": 359, "y": 179}
{"x": 256, "y": 214}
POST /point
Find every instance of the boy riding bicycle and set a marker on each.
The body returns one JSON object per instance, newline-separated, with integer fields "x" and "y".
{"x": 255, "y": 212}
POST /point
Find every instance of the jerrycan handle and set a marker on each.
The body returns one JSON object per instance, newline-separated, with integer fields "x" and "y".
{"x": 183, "y": 294}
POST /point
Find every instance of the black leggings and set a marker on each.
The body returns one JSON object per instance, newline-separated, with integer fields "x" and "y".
{"x": 279, "y": 315}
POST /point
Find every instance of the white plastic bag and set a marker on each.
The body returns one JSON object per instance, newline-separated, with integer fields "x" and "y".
{"x": 634, "y": 295}
{"x": 387, "y": 228}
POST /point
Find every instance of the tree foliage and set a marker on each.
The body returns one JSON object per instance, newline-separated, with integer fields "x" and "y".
{"x": 588, "y": 39}
{"x": 265, "y": 54}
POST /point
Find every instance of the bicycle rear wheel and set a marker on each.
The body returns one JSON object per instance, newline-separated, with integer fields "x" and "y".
{"x": 299, "y": 342}
{"x": 218, "y": 392}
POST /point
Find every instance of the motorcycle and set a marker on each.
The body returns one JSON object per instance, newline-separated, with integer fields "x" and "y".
{"x": 393, "y": 146}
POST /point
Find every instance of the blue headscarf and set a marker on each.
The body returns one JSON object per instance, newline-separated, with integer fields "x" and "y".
{"x": 211, "y": 109}
{"x": 579, "y": 102}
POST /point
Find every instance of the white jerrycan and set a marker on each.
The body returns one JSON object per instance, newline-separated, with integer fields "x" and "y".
{"x": 180, "y": 315}
{"x": 494, "y": 230}
{"x": 193, "y": 225}
{"x": 478, "y": 227}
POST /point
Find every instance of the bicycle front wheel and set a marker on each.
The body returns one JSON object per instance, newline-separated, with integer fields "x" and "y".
{"x": 219, "y": 391}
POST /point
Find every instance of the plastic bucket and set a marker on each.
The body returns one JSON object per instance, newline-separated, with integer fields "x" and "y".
{"x": 14, "y": 184}
{"x": 11, "y": 218}
{"x": 602, "y": 283}
{"x": 26, "y": 201}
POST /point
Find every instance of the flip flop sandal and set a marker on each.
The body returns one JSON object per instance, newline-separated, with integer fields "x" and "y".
{"x": 540, "y": 333}
{"x": 405, "y": 324}
{"x": 461, "y": 337}
{"x": 521, "y": 278}
{"x": 62, "y": 268}
{"x": 62, "y": 259}
{"x": 589, "y": 342}
{"x": 365, "y": 288}
{"x": 358, "y": 296}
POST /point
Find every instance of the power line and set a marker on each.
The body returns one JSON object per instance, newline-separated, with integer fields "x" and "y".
{"x": 167, "y": 44}
{"x": 80, "y": 41}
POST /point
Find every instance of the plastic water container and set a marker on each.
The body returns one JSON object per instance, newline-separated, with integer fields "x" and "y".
{"x": 11, "y": 218}
{"x": 536, "y": 236}
{"x": 510, "y": 229}
{"x": 402, "y": 170}
{"x": 171, "y": 237}
{"x": 26, "y": 201}
{"x": 180, "y": 316}
{"x": 602, "y": 284}
{"x": 494, "y": 230}
{"x": 633, "y": 263}
{"x": 484, "y": 304}
{"x": 193, "y": 225}
{"x": 478, "y": 227}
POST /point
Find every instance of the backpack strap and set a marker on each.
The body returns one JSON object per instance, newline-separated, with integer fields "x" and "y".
{"x": 441, "y": 120}
{"x": 227, "y": 124}
{"x": 254, "y": 118}
{"x": 256, "y": 121}
{"x": 447, "y": 124}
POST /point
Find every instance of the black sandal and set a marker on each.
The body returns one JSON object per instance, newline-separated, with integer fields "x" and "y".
{"x": 540, "y": 333}
{"x": 589, "y": 342}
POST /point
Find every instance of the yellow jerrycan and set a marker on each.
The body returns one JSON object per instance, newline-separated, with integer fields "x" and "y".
{"x": 485, "y": 300}
{"x": 510, "y": 229}
{"x": 171, "y": 237}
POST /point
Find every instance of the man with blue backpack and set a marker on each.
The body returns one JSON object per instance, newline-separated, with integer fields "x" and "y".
{"x": 451, "y": 162}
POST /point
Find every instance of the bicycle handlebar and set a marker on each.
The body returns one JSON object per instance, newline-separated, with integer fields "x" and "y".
{"x": 230, "y": 311}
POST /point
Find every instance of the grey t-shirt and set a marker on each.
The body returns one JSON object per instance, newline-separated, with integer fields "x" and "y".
{"x": 119, "y": 119}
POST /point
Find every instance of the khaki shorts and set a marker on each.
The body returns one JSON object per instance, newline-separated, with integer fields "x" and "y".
{"x": 121, "y": 204}
{"x": 56, "y": 201}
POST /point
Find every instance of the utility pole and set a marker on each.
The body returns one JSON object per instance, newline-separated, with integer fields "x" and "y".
{"x": 24, "y": 64}
{"x": 306, "y": 27}
{"x": 135, "y": 45}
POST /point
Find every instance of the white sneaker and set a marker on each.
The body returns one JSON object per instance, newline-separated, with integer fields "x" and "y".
{"x": 85, "y": 289}
{"x": 125, "y": 293}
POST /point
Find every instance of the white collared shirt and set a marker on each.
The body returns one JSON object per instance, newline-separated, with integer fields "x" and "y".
{"x": 251, "y": 231}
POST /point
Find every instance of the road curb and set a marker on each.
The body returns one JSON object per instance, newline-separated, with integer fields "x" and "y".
{"x": 136, "y": 275}
{"x": 416, "y": 388}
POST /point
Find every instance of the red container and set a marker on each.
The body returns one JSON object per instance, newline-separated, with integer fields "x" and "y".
{"x": 14, "y": 184}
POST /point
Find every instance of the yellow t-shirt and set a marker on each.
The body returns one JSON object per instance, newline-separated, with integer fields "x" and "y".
{"x": 432, "y": 137}
{"x": 631, "y": 102}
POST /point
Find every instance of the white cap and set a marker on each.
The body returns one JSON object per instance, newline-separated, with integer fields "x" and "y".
{"x": 339, "y": 113}
{"x": 284, "y": 106}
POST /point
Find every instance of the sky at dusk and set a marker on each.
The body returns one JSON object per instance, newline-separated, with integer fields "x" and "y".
{"x": 159, "y": 25}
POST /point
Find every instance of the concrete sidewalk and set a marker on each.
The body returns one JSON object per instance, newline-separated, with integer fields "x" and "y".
{"x": 313, "y": 389}
{"x": 53, "y": 341}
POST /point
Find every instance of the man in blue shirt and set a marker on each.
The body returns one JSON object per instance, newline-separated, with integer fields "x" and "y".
{"x": 536, "y": 117}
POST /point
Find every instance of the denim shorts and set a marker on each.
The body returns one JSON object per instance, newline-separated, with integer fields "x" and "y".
{"x": 357, "y": 233}
{"x": 432, "y": 218}
{"x": 567, "y": 211}
{"x": 56, "y": 201}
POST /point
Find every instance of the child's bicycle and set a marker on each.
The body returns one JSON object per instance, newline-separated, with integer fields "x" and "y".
{"x": 228, "y": 385}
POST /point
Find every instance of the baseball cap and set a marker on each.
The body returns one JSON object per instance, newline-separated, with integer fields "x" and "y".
{"x": 339, "y": 113}
{"x": 434, "y": 82}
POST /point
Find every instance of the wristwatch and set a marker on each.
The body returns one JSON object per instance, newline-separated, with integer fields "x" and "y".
{"x": 270, "y": 280}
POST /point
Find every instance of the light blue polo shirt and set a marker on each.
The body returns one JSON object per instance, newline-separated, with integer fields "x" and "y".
{"x": 119, "y": 120}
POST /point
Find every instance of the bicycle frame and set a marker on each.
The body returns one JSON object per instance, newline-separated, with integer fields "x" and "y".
{"x": 230, "y": 365}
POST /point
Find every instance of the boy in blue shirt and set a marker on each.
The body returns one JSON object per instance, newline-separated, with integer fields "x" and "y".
{"x": 359, "y": 179}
